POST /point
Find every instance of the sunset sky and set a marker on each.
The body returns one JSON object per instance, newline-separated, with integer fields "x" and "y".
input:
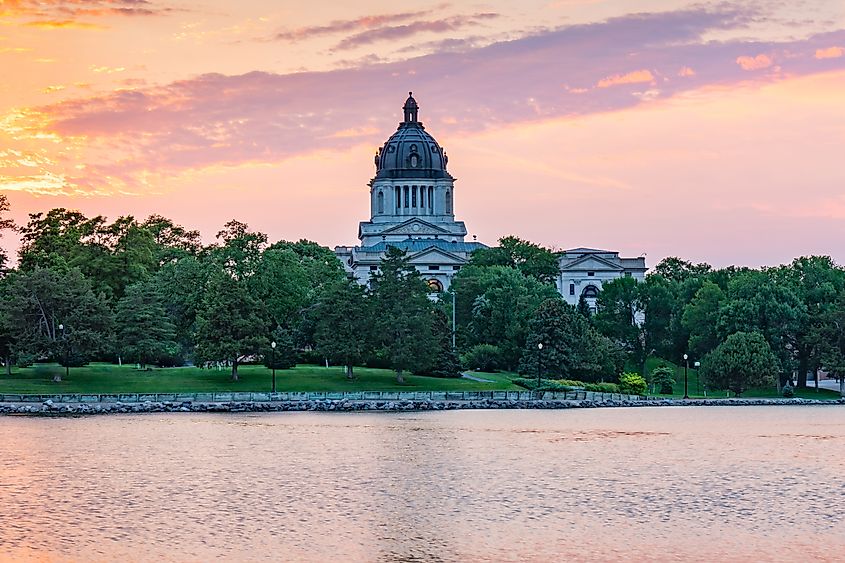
{"x": 714, "y": 131}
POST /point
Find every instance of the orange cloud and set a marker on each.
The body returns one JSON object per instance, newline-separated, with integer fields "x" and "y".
{"x": 754, "y": 63}
{"x": 63, "y": 24}
{"x": 635, "y": 77}
{"x": 686, "y": 72}
{"x": 830, "y": 53}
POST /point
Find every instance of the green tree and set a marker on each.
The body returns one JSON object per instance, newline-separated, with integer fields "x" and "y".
{"x": 701, "y": 319}
{"x": 530, "y": 259}
{"x": 239, "y": 250}
{"x": 404, "y": 313}
{"x": 172, "y": 241}
{"x": 144, "y": 330}
{"x": 344, "y": 327}
{"x": 482, "y": 357}
{"x": 744, "y": 360}
{"x": 583, "y": 308}
{"x": 57, "y": 314}
{"x": 663, "y": 378}
{"x": 231, "y": 323}
{"x": 445, "y": 362}
{"x": 182, "y": 284}
{"x": 558, "y": 327}
{"x": 283, "y": 356}
{"x": 619, "y": 303}
{"x": 674, "y": 269}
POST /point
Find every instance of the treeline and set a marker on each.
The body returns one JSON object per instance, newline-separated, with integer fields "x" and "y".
{"x": 150, "y": 292}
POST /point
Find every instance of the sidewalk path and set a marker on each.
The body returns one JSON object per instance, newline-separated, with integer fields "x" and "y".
{"x": 465, "y": 375}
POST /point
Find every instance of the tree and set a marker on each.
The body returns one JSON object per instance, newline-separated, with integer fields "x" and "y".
{"x": 240, "y": 252}
{"x": 404, "y": 313}
{"x": 5, "y": 224}
{"x": 701, "y": 318}
{"x": 663, "y": 378}
{"x": 530, "y": 259}
{"x": 344, "y": 327}
{"x": 58, "y": 315}
{"x": 283, "y": 356}
{"x": 744, "y": 360}
{"x": 494, "y": 305}
{"x": 231, "y": 323}
{"x": 583, "y": 308}
{"x": 674, "y": 269}
{"x": 182, "y": 285}
{"x": 558, "y": 327}
{"x": 618, "y": 305}
{"x": 144, "y": 330}
{"x": 446, "y": 362}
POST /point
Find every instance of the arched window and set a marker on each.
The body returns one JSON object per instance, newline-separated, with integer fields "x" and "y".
{"x": 448, "y": 202}
{"x": 590, "y": 292}
{"x": 414, "y": 160}
{"x": 380, "y": 199}
{"x": 435, "y": 286}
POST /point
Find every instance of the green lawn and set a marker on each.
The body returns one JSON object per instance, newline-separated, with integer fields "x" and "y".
{"x": 109, "y": 378}
{"x": 696, "y": 387}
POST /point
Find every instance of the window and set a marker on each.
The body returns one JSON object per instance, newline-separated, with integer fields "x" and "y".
{"x": 414, "y": 160}
{"x": 407, "y": 197}
{"x": 413, "y": 196}
{"x": 572, "y": 289}
{"x": 591, "y": 274}
{"x": 373, "y": 268}
{"x": 627, "y": 274}
{"x": 422, "y": 197}
{"x": 435, "y": 286}
{"x": 398, "y": 197}
{"x": 434, "y": 267}
{"x": 456, "y": 268}
{"x": 380, "y": 199}
{"x": 431, "y": 197}
{"x": 590, "y": 292}
{"x": 448, "y": 202}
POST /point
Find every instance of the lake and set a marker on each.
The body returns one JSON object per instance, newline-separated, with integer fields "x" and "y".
{"x": 673, "y": 483}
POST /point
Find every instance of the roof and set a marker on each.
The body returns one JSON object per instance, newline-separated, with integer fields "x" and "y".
{"x": 418, "y": 245}
{"x": 584, "y": 250}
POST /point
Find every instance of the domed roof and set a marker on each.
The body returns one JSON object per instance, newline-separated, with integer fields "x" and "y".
{"x": 411, "y": 152}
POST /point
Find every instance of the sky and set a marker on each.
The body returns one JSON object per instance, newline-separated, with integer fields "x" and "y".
{"x": 713, "y": 131}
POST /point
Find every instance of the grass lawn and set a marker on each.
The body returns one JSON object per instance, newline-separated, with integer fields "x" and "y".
{"x": 696, "y": 387}
{"x": 109, "y": 378}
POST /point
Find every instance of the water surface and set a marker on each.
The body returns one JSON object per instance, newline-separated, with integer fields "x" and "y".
{"x": 727, "y": 483}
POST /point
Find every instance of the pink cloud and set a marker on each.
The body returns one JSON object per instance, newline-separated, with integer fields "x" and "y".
{"x": 830, "y": 53}
{"x": 754, "y": 63}
{"x": 394, "y": 32}
{"x": 686, "y": 71}
{"x": 635, "y": 77}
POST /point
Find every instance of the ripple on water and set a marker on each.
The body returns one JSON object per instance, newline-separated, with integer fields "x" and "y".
{"x": 671, "y": 483}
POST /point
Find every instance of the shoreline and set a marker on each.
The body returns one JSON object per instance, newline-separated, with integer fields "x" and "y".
{"x": 50, "y": 408}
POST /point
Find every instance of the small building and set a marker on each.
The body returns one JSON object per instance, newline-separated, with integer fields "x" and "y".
{"x": 584, "y": 270}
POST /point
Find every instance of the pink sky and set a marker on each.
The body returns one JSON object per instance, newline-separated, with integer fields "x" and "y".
{"x": 715, "y": 132}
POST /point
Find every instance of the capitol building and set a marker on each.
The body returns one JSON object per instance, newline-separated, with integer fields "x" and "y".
{"x": 412, "y": 207}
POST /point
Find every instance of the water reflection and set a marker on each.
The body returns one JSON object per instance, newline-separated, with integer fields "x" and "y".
{"x": 657, "y": 484}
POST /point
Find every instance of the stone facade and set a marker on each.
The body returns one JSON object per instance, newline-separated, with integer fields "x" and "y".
{"x": 412, "y": 207}
{"x": 584, "y": 270}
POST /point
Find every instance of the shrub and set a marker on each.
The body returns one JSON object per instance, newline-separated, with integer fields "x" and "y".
{"x": 482, "y": 357}
{"x": 663, "y": 378}
{"x": 602, "y": 387}
{"x": 632, "y": 384}
{"x": 788, "y": 391}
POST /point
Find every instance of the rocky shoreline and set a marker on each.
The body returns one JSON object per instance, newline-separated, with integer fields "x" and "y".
{"x": 49, "y": 408}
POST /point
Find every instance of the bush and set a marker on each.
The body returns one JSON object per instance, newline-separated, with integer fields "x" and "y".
{"x": 632, "y": 384}
{"x": 788, "y": 391}
{"x": 602, "y": 387}
{"x": 482, "y": 357}
{"x": 663, "y": 378}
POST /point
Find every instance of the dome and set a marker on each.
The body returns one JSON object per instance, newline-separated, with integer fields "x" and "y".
{"x": 411, "y": 152}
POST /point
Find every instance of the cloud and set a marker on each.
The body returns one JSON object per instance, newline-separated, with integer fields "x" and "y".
{"x": 345, "y": 26}
{"x": 754, "y": 63}
{"x": 135, "y": 140}
{"x": 63, "y": 24}
{"x": 830, "y": 53}
{"x": 635, "y": 77}
{"x": 686, "y": 71}
{"x": 57, "y": 14}
{"x": 392, "y": 33}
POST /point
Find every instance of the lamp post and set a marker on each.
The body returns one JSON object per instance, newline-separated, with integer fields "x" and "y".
{"x": 686, "y": 367}
{"x": 273, "y": 363}
{"x": 453, "y": 318}
{"x": 539, "y": 362}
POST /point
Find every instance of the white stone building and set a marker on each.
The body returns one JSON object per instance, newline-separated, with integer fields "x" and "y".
{"x": 412, "y": 207}
{"x": 584, "y": 270}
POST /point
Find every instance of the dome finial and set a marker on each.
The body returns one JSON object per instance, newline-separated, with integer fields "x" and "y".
{"x": 410, "y": 109}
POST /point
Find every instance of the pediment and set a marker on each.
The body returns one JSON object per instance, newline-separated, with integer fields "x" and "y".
{"x": 436, "y": 256}
{"x": 591, "y": 262}
{"x": 415, "y": 227}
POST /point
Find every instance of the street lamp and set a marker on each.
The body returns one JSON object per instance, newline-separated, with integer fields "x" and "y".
{"x": 539, "y": 362}
{"x": 686, "y": 367}
{"x": 64, "y": 342}
{"x": 273, "y": 363}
